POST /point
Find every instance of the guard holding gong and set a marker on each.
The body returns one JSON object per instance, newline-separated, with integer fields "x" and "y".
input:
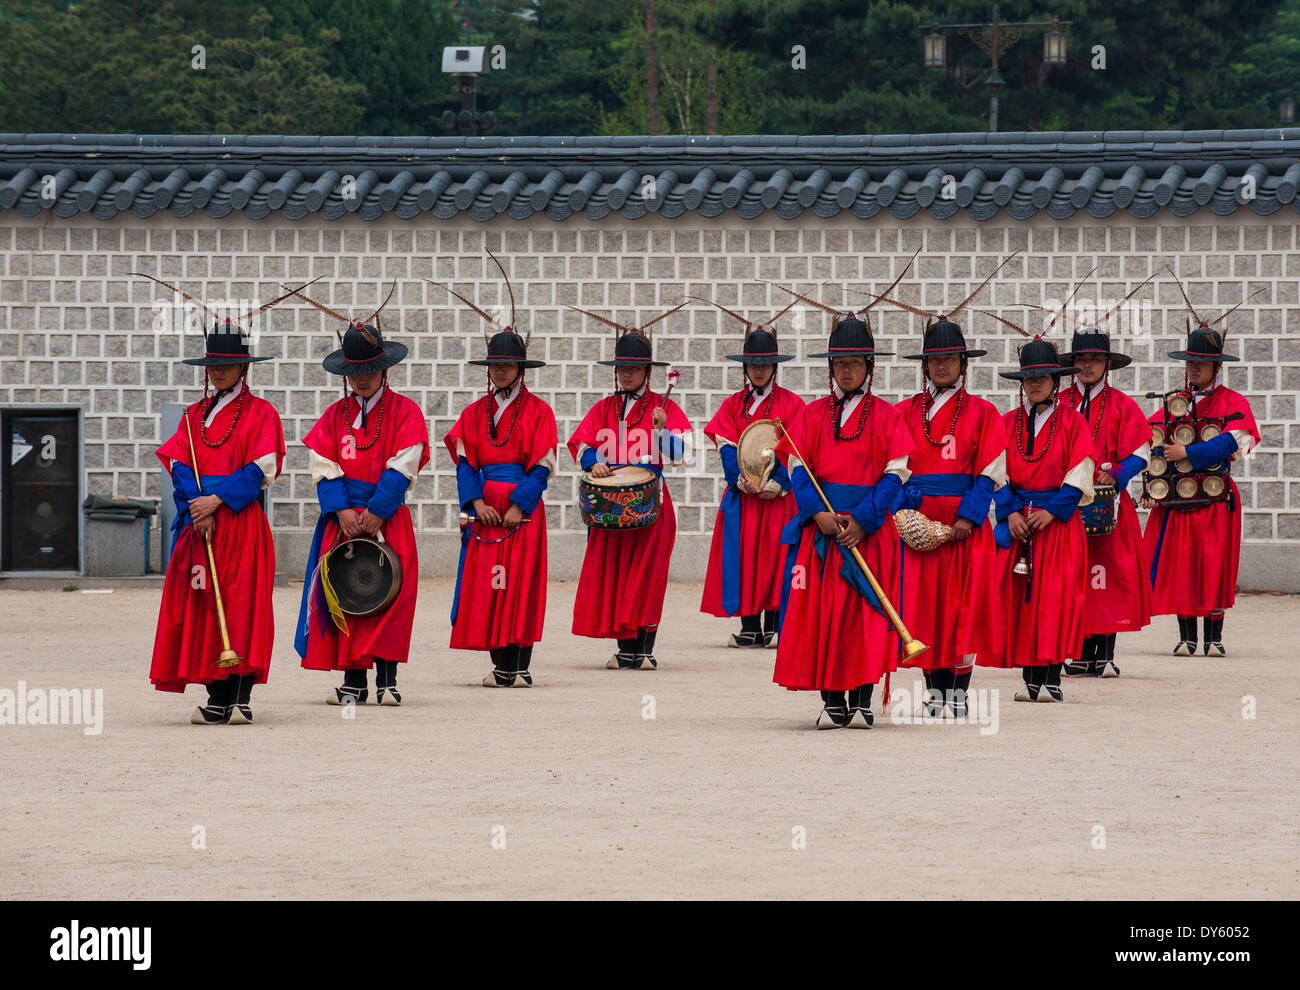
{"x": 745, "y": 565}
{"x": 503, "y": 445}
{"x": 1119, "y": 594}
{"x": 622, "y": 444}
{"x": 358, "y": 601}
{"x": 1193, "y": 535}
{"x": 216, "y": 625}
{"x": 847, "y": 457}
{"x": 1044, "y": 556}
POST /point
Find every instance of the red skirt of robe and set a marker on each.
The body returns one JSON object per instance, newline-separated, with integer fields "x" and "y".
{"x": 503, "y": 585}
{"x": 1198, "y": 554}
{"x": 386, "y": 636}
{"x": 625, "y": 576}
{"x": 762, "y": 557}
{"x": 1119, "y": 592}
{"x": 188, "y": 639}
{"x": 952, "y": 596}
{"x": 1049, "y": 627}
{"x": 831, "y": 638}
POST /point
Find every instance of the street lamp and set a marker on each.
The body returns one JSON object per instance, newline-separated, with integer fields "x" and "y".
{"x": 994, "y": 38}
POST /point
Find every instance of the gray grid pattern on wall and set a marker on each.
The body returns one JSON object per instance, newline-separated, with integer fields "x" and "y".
{"x": 79, "y": 326}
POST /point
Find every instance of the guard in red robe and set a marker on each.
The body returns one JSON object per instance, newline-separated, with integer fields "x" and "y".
{"x": 1195, "y": 550}
{"x": 504, "y": 449}
{"x": 366, "y": 450}
{"x": 625, "y": 571}
{"x": 745, "y": 560}
{"x": 834, "y": 636}
{"x": 239, "y": 445}
{"x": 1119, "y": 594}
{"x": 951, "y": 596}
{"x": 1043, "y": 549}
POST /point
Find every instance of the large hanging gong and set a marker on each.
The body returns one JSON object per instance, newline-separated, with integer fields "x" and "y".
{"x": 365, "y": 575}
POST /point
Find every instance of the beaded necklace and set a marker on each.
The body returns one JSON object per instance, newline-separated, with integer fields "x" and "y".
{"x": 638, "y": 410}
{"x": 514, "y": 417}
{"x": 379, "y": 424}
{"x": 864, "y": 409}
{"x": 239, "y": 408}
{"x": 1021, "y": 420}
{"x": 764, "y": 408}
{"x": 925, "y": 416}
{"x": 1101, "y": 410}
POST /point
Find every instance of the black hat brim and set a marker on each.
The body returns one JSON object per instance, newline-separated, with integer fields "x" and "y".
{"x": 336, "y": 364}
{"x": 1065, "y": 369}
{"x": 209, "y": 362}
{"x": 964, "y": 352}
{"x": 522, "y": 362}
{"x": 1185, "y": 356}
{"x": 633, "y": 363}
{"x": 764, "y": 359}
{"x": 1116, "y": 360}
{"x": 852, "y": 353}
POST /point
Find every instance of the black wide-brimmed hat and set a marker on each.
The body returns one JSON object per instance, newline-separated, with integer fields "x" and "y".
{"x": 1203, "y": 344}
{"x": 508, "y": 346}
{"x": 632, "y": 344}
{"x": 760, "y": 348}
{"x": 227, "y": 346}
{"x": 944, "y": 337}
{"x": 1090, "y": 340}
{"x": 364, "y": 352}
{"x": 1039, "y": 357}
{"x": 851, "y": 338}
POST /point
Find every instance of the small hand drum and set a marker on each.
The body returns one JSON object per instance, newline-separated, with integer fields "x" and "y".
{"x": 365, "y": 575}
{"x": 756, "y": 452}
{"x": 1099, "y": 514}
{"x": 627, "y": 499}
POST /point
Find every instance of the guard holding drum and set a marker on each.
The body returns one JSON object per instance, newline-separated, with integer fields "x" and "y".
{"x": 358, "y": 601}
{"x": 1119, "y": 594}
{"x": 745, "y": 560}
{"x": 622, "y": 445}
{"x": 1193, "y": 535}
{"x": 503, "y": 445}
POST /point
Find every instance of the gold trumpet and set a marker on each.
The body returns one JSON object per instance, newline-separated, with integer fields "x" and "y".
{"x": 911, "y": 647}
{"x": 228, "y": 658}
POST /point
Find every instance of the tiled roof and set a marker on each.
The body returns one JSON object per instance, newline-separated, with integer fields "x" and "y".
{"x": 1022, "y": 174}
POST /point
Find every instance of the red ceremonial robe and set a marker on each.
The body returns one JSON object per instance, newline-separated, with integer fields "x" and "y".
{"x": 1045, "y": 612}
{"x": 1194, "y": 553}
{"x": 1119, "y": 591}
{"x": 188, "y": 640}
{"x": 750, "y": 573}
{"x": 952, "y": 597}
{"x": 387, "y": 635}
{"x": 832, "y": 638}
{"x": 500, "y": 596}
{"x": 625, "y": 572}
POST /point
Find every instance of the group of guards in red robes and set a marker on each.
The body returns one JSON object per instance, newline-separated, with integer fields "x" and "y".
{"x": 810, "y": 561}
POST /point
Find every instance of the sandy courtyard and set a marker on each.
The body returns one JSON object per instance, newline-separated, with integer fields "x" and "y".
{"x": 1153, "y": 785}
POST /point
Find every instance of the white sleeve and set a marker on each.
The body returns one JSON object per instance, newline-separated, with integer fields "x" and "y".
{"x": 996, "y": 470}
{"x": 323, "y": 469}
{"x": 1245, "y": 444}
{"x": 899, "y": 467}
{"x": 267, "y": 464}
{"x": 1080, "y": 477}
{"x": 547, "y": 462}
{"x": 407, "y": 461}
{"x": 1143, "y": 452}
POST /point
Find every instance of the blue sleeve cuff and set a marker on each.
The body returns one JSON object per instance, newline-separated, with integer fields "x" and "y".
{"x": 672, "y": 446}
{"x": 390, "y": 493}
{"x": 332, "y": 495}
{"x": 974, "y": 504}
{"x": 730, "y": 465}
{"x": 1005, "y": 502}
{"x": 589, "y": 458}
{"x": 242, "y": 488}
{"x": 185, "y": 488}
{"x": 469, "y": 484}
{"x": 1126, "y": 469}
{"x": 1212, "y": 451}
{"x": 527, "y": 493}
{"x": 1064, "y": 503}
{"x": 871, "y": 512}
{"x": 805, "y": 495}
{"x": 781, "y": 476}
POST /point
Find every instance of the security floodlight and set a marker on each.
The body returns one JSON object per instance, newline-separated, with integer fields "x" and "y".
{"x": 464, "y": 61}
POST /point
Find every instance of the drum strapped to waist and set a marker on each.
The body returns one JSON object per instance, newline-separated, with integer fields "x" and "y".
{"x": 364, "y": 575}
{"x": 756, "y": 452}
{"x": 627, "y": 499}
{"x": 1099, "y": 514}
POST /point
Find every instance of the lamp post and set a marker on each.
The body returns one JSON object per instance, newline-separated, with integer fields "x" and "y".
{"x": 994, "y": 38}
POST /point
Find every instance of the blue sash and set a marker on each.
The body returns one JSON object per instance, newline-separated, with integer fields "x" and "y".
{"x": 508, "y": 471}
{"x": 843, "y": 498}
{"x": 731, "y": 550}
{"x": 1027, "y": 496}
{"x": 919, "y": 485}
{"x": 359, "y": 493}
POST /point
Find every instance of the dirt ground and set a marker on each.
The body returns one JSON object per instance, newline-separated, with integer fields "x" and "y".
{"x": 1152, "y": 785}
